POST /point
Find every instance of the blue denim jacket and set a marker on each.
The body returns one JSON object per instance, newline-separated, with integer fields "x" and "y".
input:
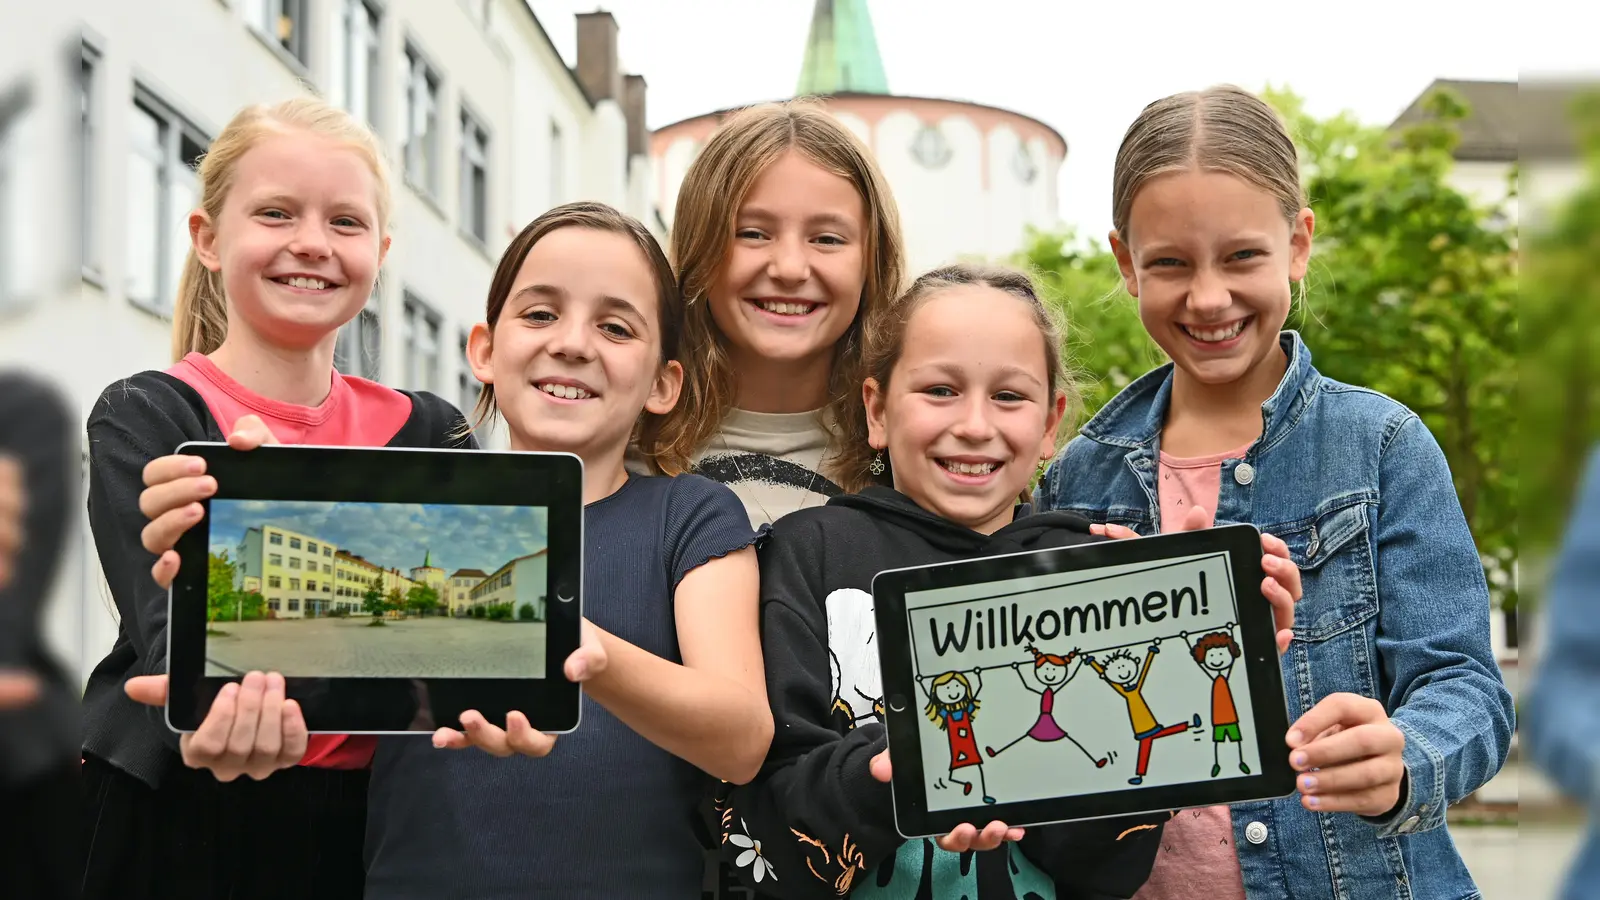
{"x": 1395, "y": 607}
{"x": 1561, "y": 719}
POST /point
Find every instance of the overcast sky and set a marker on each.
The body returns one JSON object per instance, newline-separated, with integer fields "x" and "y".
{"x": 1086, "y": 69}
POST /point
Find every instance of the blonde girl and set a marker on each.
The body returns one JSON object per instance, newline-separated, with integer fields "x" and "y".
{"x": 286, "y": 244}
{"x": 953, "y": 705}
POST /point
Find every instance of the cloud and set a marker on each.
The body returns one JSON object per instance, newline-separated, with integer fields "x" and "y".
{"x": 396, "y": 535}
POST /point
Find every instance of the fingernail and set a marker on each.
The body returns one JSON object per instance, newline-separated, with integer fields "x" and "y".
{"x": 196, "y": 465}
{"x": 1299, "y": 759}
{"x": 1313, "y": 801}
{"x": 1308, "y": 783}
{"x": 1295, "y": 736}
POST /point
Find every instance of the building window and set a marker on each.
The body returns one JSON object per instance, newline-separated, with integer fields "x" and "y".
{"x": 275, "y": 559}
{"x": 930, "y": 148}
{"x": 357, "y": 350}
{"x": 311, "y": 546}
{"x": 275, "y": 538}
{"x": 422, "y": 123}
{"x": 311, "y": 585}
{"x": 474, "y": 178}
{"x": 282, "y": 23}
{"x": 274, "y": 605}
{"x": 294, "y": 605}
{"x": 162, "y": 190}
{"x": 274, "y": 581}
{"x": 327, "y": 569}
{"x": 294, "y": 543}
{"x": 558, "y": 157}
{"x": 294, "y": 562}
{"x": 17, "y": 247}
{"x": 1023, "y": 166}
{"x": 294, "y": 585}
{"x": 353, "y": 72}
{"x": 88, "y": 138}
{"x": 327, "y": 551}
{"x": 421, "y": 336}
{"x": 467, "y": 383}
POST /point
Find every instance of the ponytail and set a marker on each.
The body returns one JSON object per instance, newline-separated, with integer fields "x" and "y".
{"x": 200, "y": 315}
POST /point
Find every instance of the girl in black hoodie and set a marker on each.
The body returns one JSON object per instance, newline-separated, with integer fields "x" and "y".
{"x": 966, "y": 396}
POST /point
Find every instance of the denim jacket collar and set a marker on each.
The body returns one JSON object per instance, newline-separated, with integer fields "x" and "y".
{"x": 1133, "y": 418}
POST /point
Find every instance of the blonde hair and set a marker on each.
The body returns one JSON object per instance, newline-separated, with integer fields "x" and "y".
{"x": 1220, "y": 129}
{"x": 935, "y": 704}
{"x": 200, "y": 313}
{"x": 708, "y": 203}
{"x": 886, "y": 338}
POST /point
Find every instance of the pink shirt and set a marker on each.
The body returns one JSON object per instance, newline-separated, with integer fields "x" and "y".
{"x": 357, "y": 413}
{"x": 1197, "y": 854}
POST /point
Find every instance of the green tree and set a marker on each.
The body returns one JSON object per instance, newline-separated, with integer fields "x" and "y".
{"x": 525, "y": 613}
{"x": 1559, "y": 380}
{"x": 372, "y": 599}
{"x": 223, "y": 602}
{"x": 422, "y": 600}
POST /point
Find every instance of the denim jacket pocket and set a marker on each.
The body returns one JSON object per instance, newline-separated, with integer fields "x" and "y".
{"x": 1334, "y": 552}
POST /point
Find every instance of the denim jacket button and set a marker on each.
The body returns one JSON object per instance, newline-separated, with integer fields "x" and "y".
{"x": 1244, "y": 473}
{"x": 1407, "y": 825}
{"x": 1255, "y": 833}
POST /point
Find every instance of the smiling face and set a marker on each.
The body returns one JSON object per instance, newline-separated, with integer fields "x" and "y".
{"x": 1218, "y": 658}
{"x": 968, "y": 412}
{"x": 298, "y": 240}
{"x": 1050, "y": 673}
{"x": 1211, "y": 258}
{"x": 791, "y": 280}
{"x": 950, "y": 693}
{"x": 575, "y": 353}
{"x": 1122, "y": 670}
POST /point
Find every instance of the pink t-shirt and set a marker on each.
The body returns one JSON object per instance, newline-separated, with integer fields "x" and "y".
{"x": 357, "y": 413}
{"x": 1197, "y": 845}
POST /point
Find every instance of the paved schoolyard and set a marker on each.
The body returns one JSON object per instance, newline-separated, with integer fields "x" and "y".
{"x": 415, "y": 648}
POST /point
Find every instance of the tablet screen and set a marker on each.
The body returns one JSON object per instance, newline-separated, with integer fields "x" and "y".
{"x": 376, "y": 590}
{"x": 1115, "y": 678}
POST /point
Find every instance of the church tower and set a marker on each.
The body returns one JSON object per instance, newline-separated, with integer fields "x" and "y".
{"x": 841, "y": 52}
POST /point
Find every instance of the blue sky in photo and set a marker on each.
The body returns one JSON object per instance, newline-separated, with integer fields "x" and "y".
{"x": 393, "y": 535}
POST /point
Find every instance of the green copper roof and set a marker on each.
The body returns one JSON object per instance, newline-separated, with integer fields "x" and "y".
{"x": 842, "y": 52}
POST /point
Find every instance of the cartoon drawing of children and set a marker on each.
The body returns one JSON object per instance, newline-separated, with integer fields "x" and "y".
{"x": 1216, "y": 653}
{"x": 952, "y": 705}
{"x": 1126, "y": 677}
{"x": 1053, "y": 673}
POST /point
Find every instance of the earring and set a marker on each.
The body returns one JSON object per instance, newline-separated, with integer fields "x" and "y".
{"x": 876, "y": 466}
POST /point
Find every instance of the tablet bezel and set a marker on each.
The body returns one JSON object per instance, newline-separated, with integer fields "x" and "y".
{"x": 390, "y": 475}
{"x": 902, "y": 704}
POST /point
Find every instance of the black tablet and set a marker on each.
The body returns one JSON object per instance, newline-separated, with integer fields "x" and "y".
{"x": 1105, "y": 679}
{"x": 393, "y": 588}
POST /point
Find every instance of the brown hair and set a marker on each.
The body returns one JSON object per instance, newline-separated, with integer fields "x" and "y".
{"x": 598, "y": 217}
{"x": 885, "y": 341}
{"x": 1220, "y": 129}
{"x": 200, "y": 313}
{"x": 1213, "y": 641}
{"x": 708, "y": 203}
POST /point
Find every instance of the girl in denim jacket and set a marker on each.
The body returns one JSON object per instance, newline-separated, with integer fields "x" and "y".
{"x": 1399, "y": 708}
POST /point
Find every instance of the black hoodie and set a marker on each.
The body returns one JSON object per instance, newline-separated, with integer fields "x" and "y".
{"x": 815, "y": 823}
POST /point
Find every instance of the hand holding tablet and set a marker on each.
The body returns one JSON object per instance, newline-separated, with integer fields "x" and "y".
{"x": 318, "y": 562}
{"x": 1084, "y": 682}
